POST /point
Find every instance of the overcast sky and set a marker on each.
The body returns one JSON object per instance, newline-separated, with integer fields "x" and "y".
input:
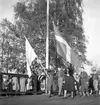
{"x": 6, "y": 9}
{"x": 91, "y": 18}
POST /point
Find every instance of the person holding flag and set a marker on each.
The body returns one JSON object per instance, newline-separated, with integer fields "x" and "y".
{"x": 30, "y": 57}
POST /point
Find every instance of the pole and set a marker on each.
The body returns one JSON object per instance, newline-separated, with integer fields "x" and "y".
{"x": 47, "y": 37}
{"x": 47, "y": 44}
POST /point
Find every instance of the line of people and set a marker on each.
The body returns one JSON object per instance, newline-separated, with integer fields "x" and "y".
{"x": 64, "y": 81}
{"x": 70, "y": 82}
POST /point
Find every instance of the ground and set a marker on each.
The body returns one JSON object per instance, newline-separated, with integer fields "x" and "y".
{"x": 44, "y": 100}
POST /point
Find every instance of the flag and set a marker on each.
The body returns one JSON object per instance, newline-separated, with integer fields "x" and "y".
{"x": 75, "y": 60}
{"x": 63, "y": 49}
{"x": 30, "y": 56}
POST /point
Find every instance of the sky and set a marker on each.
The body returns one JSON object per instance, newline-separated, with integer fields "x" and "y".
{"x": 91, "y": 24}
{"x": 6, "y": 9}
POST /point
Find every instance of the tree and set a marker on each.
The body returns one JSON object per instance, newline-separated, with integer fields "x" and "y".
{"x": 65, "y": 13}
{"x": 11, "y": 47}
{"x": 30, "y": 20}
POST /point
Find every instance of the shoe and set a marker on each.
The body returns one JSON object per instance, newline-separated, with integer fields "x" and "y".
{"x": 88, "y": 95}
{"x": 59, "y": 95}
{"x": 83, "y": 95}
{"x": 7, "y": 96}
{"x": 49, "y": 96}
{"x": 64, "y": 98}
{"x": 72, "y": 97}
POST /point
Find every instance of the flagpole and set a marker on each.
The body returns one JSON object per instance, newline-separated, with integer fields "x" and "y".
{"x": 47, "y": 37}
{"x": 47, "y": 44}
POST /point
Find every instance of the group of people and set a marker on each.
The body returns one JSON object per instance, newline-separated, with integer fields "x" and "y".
{"x": 72, "y": 83}
{"x": 63, "y": 80}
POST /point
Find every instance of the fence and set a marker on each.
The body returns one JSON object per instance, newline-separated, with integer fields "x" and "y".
{"x": 18, "y": 84}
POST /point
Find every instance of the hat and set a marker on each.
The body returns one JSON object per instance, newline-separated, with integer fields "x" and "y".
{"x": 82, "y": 67}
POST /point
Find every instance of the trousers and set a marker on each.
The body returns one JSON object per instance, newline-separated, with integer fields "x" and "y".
{"x": 60, "y": 84}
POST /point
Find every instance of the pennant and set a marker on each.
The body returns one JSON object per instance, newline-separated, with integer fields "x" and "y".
{"x": 75, "y": 60}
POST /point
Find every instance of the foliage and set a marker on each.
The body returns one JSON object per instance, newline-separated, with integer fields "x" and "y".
{"x": 11, "y": 49}
{"x": 30, "y": 21}
{"x": 67, "y": 14}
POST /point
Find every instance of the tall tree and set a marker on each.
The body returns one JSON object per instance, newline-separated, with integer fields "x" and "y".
{"x": 11, "y": 49}
{"x": 30, "y": 20}
{"x": 67, "y": 14}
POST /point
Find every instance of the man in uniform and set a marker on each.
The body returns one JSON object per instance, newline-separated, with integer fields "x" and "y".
{"x": 50, "y": 77}
{"x": 84, "y": 82}
{"x": 60, "y": 75}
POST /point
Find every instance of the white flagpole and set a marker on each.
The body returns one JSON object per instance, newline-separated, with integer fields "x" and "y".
{"x": 47, "y": 37}
{"x": 47, "y": 44}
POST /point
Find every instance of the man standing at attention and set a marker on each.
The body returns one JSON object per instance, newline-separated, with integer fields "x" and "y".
{"x": 50, "y": 73}
{"x": 60, "y": 75}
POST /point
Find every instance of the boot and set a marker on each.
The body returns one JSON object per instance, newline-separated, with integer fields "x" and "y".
{"x": 49, "y": 93}
{"x": 96, "y": 92}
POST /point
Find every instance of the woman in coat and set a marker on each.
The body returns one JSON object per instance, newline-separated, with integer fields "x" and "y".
{"x": 95, "y": 83}
{"x": 84, "y": 83}
{"x": 69, "y": 84}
